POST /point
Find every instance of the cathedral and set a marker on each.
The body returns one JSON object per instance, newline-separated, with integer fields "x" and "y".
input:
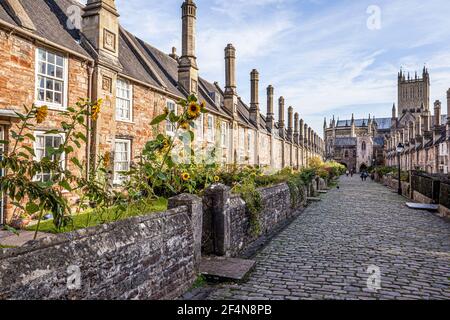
{"x": 362, "y": 143}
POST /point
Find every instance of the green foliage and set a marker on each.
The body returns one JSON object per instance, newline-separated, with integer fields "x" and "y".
{"x": 199, "y": 282}
{"x": 20, "y": 166}
{"x": 248, "y": 192}
{"x": 296, "y": 188}
{"x": 101, "y": 215}
{"x": 168, "y": 165}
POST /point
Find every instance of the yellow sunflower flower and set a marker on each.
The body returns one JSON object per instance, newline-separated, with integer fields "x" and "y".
{"x": 193, "y": 110}
{"x": 106, "y": 160}
{"x": 216, "y": 179}
{"x": 184, "y": 125}
{"x": 41, "y": 114}
{"x": 185, "y": 176}
{"x": 96, "y": 109}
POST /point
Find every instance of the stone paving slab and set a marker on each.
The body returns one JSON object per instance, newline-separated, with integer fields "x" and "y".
{"x": 226, "y": 269}
{"x": 333, "y": 248}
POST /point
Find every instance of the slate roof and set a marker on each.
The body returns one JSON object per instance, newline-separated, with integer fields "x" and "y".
{"x": 50, "y": 19}
{"x": 379, "y": 141}
{"x": 345, "y": 142}
{"x": 383, "y": 123}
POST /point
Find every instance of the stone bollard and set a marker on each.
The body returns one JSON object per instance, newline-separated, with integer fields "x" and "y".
{"x": 216, "y": 201}
{"x": 195, "y": 209}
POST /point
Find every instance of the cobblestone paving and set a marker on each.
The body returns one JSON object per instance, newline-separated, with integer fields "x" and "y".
{"x": 325, "y": 253}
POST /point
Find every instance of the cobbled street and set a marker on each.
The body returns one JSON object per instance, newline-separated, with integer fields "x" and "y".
{"x": 326, "y": 252}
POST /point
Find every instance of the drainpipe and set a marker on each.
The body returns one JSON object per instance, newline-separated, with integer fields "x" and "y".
{"x": 90, "y": 70}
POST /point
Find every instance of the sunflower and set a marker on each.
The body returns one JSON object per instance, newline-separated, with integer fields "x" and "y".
{"x": 185, "y": 176}
{"x": 96, "y": 109}
{"x": 166, "y": 111}
{"x": 193, "y": 110}
{"x": 165, "y": 144}
{"x": 184, "y": 125}
{"x": 216, "y": 178}
{"x": 41, "y": 114}
{"x": 106, "y": 160}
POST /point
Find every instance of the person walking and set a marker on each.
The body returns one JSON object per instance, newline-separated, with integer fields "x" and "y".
{"x": 347, "y": 173}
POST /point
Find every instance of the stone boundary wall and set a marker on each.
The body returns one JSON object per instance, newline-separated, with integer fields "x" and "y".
{"x": 148, "y": 257}
{"x": 410, "y": 193}
{"x": 227, "y": 224}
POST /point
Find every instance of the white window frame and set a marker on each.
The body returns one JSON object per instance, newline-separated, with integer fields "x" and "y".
{"x": 210, "y": 131}
{"x": 171, "y": 132}
{"x": 241, "y": 144}
{"x": 129, "y": 87}
{"x": 199, "y": 127}
{"x": 65, "y": 80}
{"x": 38, "y": 134}
{"x": 117, "y": 179}
{"x": 224, "y": 134}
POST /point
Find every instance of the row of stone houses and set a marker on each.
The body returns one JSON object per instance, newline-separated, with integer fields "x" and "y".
{"x": 425, "y": 138}
{"x": 55, "y": 51}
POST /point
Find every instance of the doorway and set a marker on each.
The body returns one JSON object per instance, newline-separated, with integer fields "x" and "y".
{"x": 363, "y": 168}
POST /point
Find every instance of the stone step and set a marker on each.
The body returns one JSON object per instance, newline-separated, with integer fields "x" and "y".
{"x": 422, "y": 206}
{"x": 322, "y": 191}
{"x": 313, "y": 199}
{"x": 224, "y": 269}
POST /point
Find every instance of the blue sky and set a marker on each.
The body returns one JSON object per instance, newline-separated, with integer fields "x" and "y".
{"x": 319, "y": 54}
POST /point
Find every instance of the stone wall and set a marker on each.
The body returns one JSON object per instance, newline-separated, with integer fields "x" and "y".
{"x": 227, "y": 227}
{"x": 428, "y": 186}
{"x": 148, "y": 257}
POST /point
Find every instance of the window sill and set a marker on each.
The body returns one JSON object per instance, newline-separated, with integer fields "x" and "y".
{"x": 125, "y": 121}
{"x": 51, "y": 106}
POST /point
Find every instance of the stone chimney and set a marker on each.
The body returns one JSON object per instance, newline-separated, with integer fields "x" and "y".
{"x": 230, "y": 95}
{"x": 281, "y": 117}
{"x": 290, "y": 130}
{"x": 270, "y": 115}
{"x": 101, "y": 28}
{"x": 254, "y": 97}
{"x": 173, "y": 54}
{"x": 19, "y": 15}
{"x": 296, "y": 128}
{"x": 448, "y": 106}
{"x": 301, "y": 136}
{"x": 187, "y": 66}
{"x": 306, "y": 139}
{"x": 437, "y": 113}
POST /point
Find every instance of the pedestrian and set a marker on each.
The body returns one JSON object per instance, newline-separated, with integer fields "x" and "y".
{"x": 347, "y": 173}
{"x": 351, "y": 172}
{"x": 362, "y": 176}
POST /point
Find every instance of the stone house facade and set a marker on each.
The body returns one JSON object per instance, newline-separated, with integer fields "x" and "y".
{"x": 425, "y": 137}
{"x": 55, "y": 52}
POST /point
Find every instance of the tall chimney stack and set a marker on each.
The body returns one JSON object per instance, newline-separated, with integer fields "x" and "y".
{"x": 254, "y": 103}
{"x": 187, "y": 67}
{"x": 301, "y": 136}
{"x": 290, "y": 130}
{"x": 230, "y": 94}
{"x": 270, "y": 115}
{"x": 437, "y": 113}
{"x": 448, "y": 106}
{"x": 296, "y": 128}
{"x": 281, "y": 116}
